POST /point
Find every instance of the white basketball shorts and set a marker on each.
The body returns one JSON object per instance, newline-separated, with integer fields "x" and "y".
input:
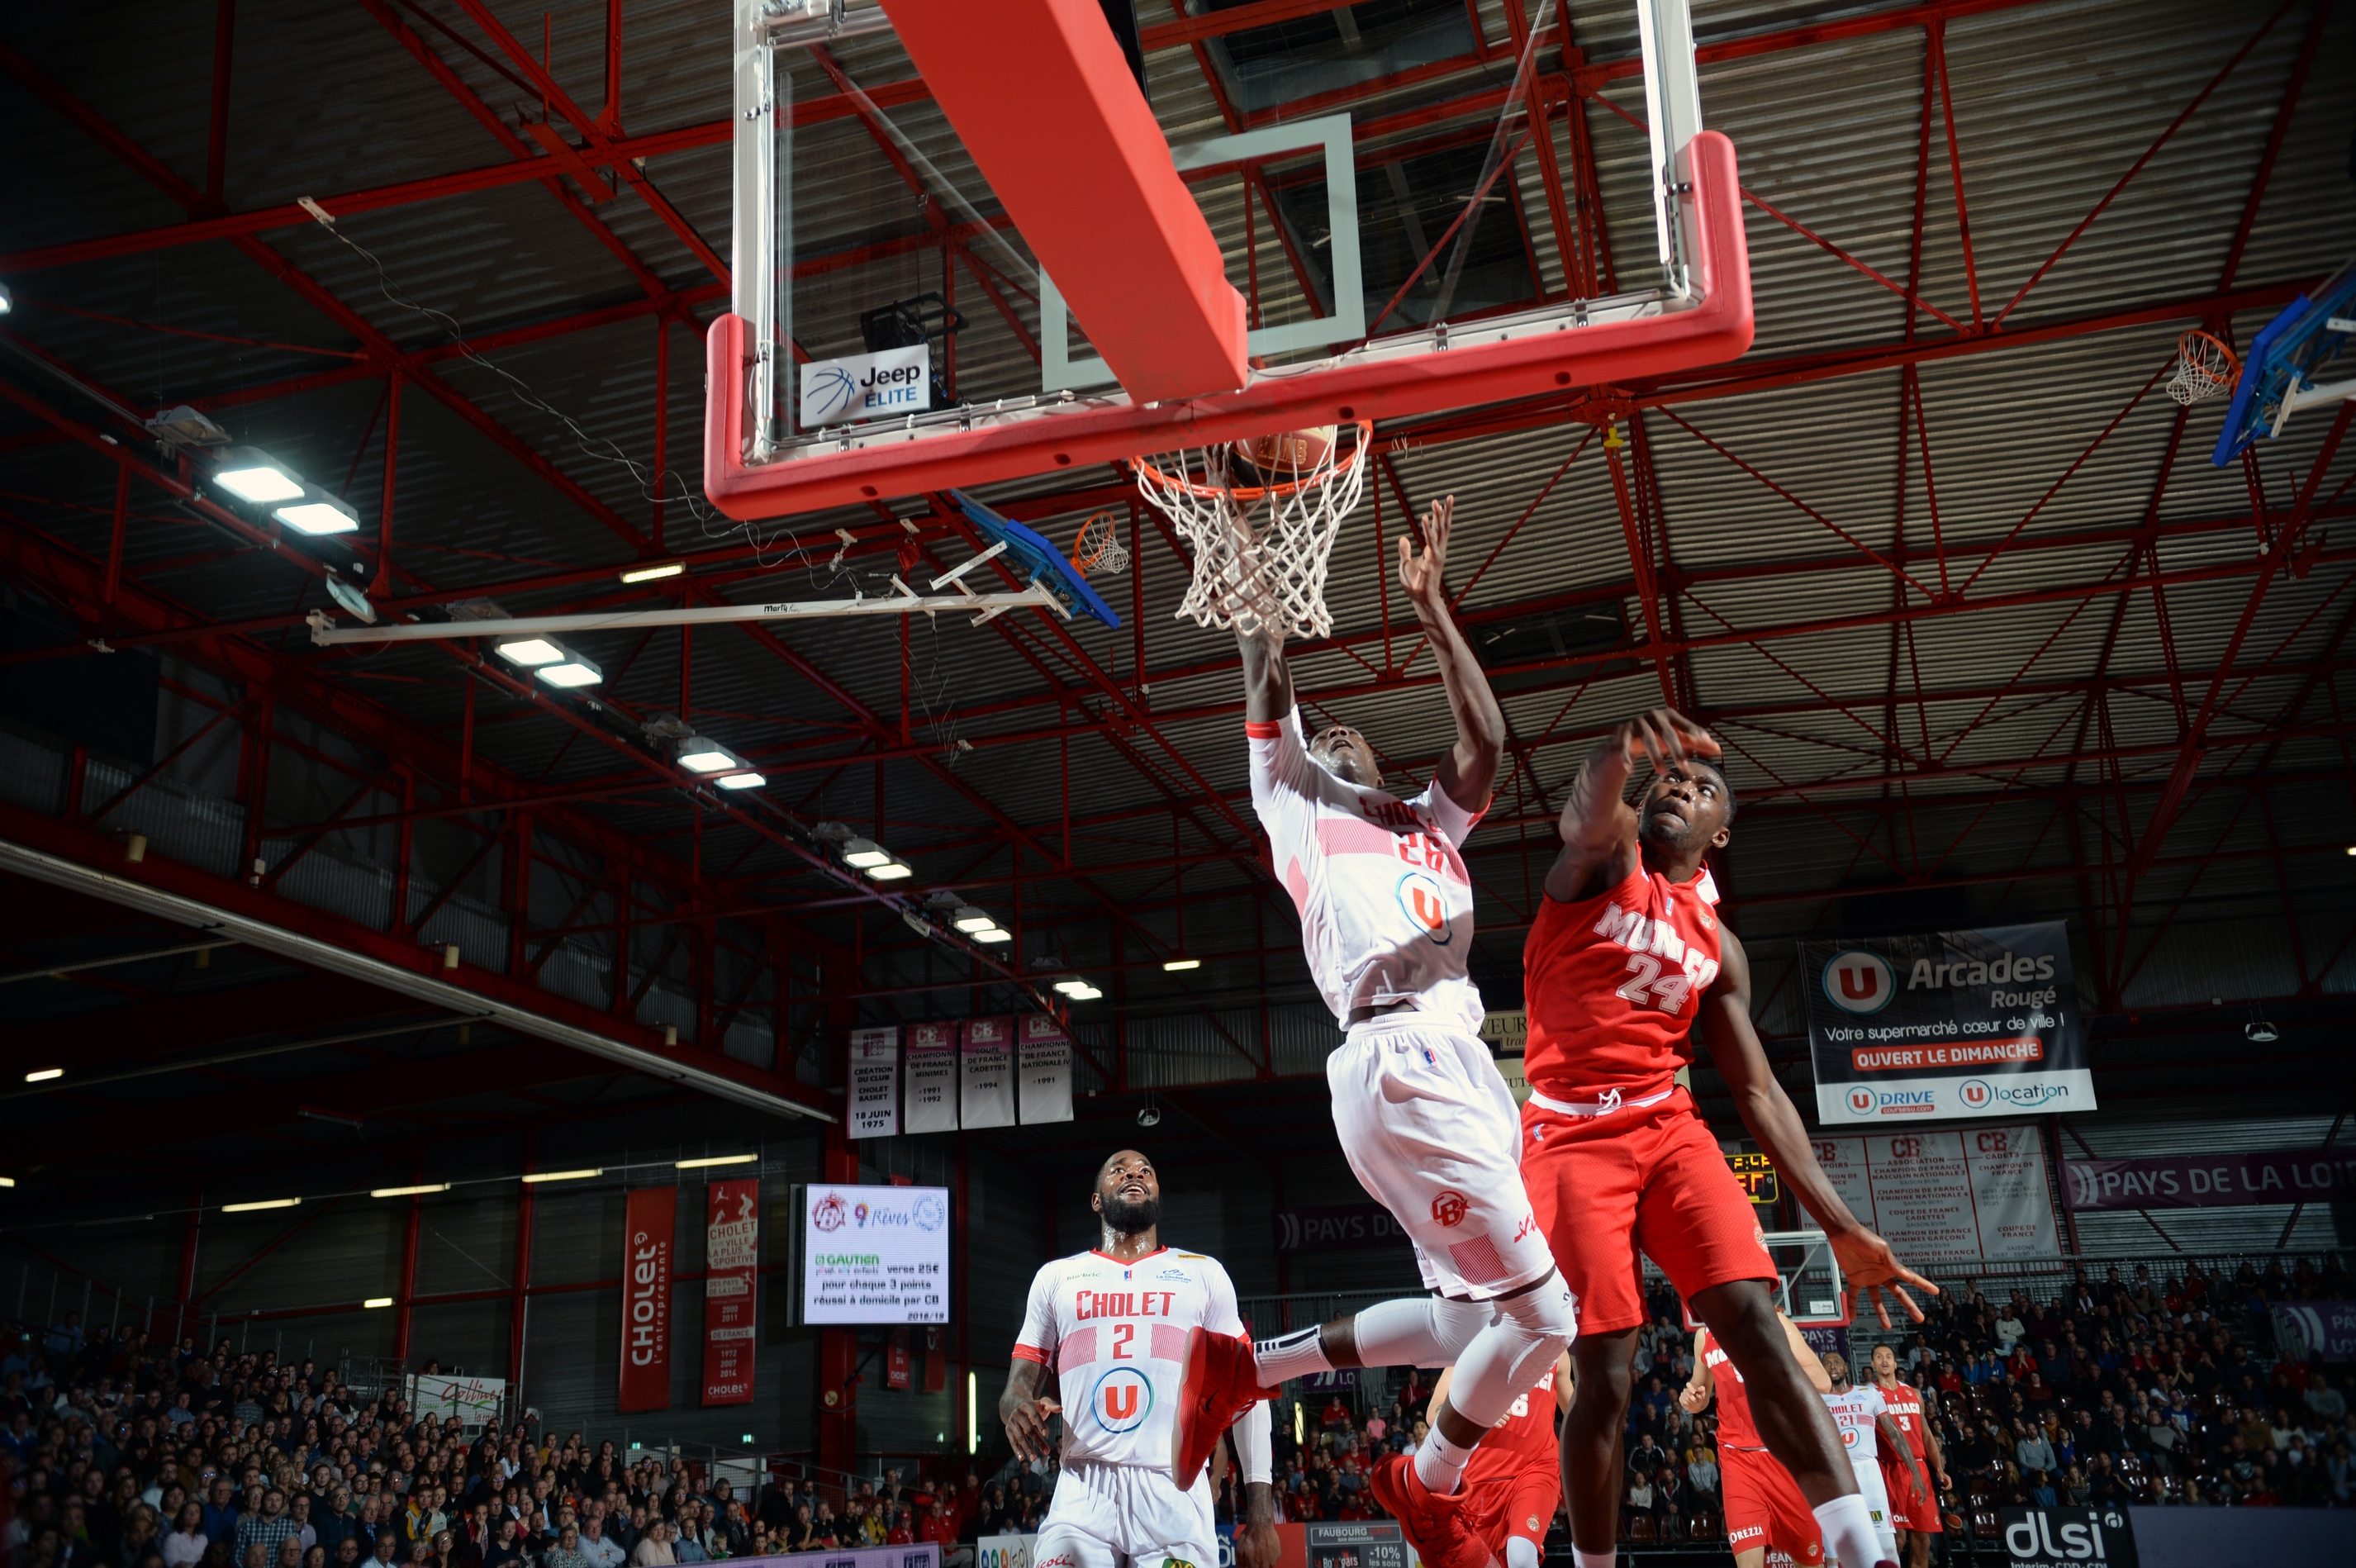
{"x": 1431, "y": 1129}
{"x": 1877, "y": 1503}
{"x": 1125, "y": 1516}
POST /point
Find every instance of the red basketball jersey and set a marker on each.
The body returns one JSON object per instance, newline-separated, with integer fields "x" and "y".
{"x": 1735, "y": 1427}
{"x": 1523, "y": 1441}
{"x": 1903, "y": 1402}
{"x": 1613, "y": 984}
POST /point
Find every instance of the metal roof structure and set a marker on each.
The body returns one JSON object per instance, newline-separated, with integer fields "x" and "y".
{"x": 1985, "y": 636}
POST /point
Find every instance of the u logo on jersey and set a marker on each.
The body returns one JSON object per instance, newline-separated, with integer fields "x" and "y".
{"x": 1427, "y": 905}
{"x": 1122, "y": 1399}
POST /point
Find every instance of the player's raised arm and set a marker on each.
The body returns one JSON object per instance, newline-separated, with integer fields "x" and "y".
{"x": 1470, "y": 769}
{"x": 1903, "y": 1449}
{"x": 1268, "y": 680}
{"x": 1598, "y": 825}
{"x": 1866, "y": 1260}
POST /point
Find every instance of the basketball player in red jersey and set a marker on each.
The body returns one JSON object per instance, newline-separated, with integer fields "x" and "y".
{"x": 1625, "y": 954}
{"x": 1912, "y": 1512}
{"x": 1514, "y": 1483}
{"x": 1764, "y": 1506}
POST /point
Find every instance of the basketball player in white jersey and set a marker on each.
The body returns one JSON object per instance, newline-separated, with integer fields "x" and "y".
{"x": 1864, "y": 1426}
{"x": 1110, "y": 1326}
{"x": 1425, "y": 1119}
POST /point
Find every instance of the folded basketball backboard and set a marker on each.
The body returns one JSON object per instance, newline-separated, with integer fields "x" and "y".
{"x": 1031, "y": 150}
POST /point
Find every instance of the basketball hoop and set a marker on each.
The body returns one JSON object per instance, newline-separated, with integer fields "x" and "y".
{"x": 1097, "y": 545}
{"x": 2204, "y": 367}
{"x": 1260, "y": 549}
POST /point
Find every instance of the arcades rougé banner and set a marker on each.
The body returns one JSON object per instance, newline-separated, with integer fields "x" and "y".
{"x": 1974, "y": 1023}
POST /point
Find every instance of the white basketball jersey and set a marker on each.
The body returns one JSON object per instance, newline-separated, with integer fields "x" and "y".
{"x": 1853, "y": 1412}
{"x": 1385, "y": 902}
{"x": 1115, "y": 1334}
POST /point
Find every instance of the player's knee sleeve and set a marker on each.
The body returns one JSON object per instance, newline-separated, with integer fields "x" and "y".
{"x": 1427, "y": 1331}
{"x": 1521, "y": 1552}
{"x": 1514, "y": 1352}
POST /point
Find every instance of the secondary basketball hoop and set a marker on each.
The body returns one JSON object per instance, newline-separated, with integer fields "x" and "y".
{"x": 2204, "y": 367}
{"x": 1097, "y": 547}
{"x": 1261, "y": 545}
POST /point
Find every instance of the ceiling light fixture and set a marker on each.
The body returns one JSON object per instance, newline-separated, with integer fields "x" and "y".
{"x": 265, "y": 1203}
{"x": 1172, "y": 965}
{"x": 533, "y": 1178}
{"x": 575, "y": 672}
{"x": 43, "y": 1074}
{"x": 256, "y": 476}
{"x": 377, "y": 1301}
{"x": 697, "y": 1165}
{"x": 969, "y": 920}
{"x": 741, "y": 781}
{"x": 529, "y": 651}
{"x": 318, "y": 512}
{"x": 865, "y": 855}
{"x": 655, "y": 572}
{"x": 418, "y": 1190}
{"x": 993, "y": 935}
{"x": 7, "y": 1181}
{"x": 697, "y": 755}
{"x": 1079, "y": 990}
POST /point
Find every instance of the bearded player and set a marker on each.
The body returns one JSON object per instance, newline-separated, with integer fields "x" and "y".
{"x": 1913, "y": 1512}
{"x": 1625, "y": 954}
{"x": 1763, "y": 1505}
{"x": 1868, "y": 1434}
{"x": 1112, "y": 1323}
{"x": 1425, "y": 1119}
{"x": 1514, "y": 1485}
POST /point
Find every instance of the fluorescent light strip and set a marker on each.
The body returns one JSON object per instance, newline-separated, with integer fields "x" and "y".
{"x": 1171, "y": 966}
{"x": 43, "y": 1075}
{"x": 375, "y": 1301}
{"x": 534, "y": 1177}
{"x": 715, "y": 1160}
{"x": 408, "y": 1191}
{"x": 265, "y": 1203}
{"x": 651, "y": 573}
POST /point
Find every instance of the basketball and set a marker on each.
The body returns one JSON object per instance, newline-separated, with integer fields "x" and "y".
{"x": 1290, "y": 451}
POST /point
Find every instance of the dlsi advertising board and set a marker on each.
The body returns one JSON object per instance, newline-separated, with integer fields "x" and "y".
{"x": 1974, "y": 1023}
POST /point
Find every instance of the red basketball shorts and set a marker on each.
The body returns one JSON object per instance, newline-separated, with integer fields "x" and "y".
{"x": 1764, "y": 1507}
{"x": 1910, "y": 1507}
{"x": 1521, "y": 1505}
{"x": 1648, "y": 1177}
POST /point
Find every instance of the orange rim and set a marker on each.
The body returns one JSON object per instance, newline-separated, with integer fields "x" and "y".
{"x": 1365, "y": 428}
{"x": 1083, "y": 558}
{"x": 2184, "y": 350}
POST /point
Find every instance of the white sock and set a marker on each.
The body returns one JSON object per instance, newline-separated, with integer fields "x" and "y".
{"x": 1295, "y": 1355}
{"x": 1440, "y": 1464}
{"x": 1846, "y": 1525}
{"x": 1594, "y": 1559}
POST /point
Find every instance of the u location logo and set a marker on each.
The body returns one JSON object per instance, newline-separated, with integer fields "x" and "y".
{"x": 1975, "y": 1094}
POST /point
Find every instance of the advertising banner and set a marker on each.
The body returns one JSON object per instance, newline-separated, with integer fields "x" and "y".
{"x": 1977, "y": 1022}
{"x": 1004, "y": 1551}
{"x": 874, "y": 1109}
{"x": 867, "y": 386}
{"x": 2066, "y": 1538}
{"x": 472, "y": 1402}
{"x": 647, "y": 1222}
{"x": 1945, "y": 1193}
{"x": 897, "y": 1365}
{"x": 2212, "y": 1181}
{"x": 986, "y": 1074}
{"x": 1337, "y": 1226}
{"x": 926, "y": 1555}
{"x": 932, "y": 1078}
{"x": 875, "y": 1254}
{"x": 2315, "y": 1330}
{"x": 1045, "y": 1067}
{"x": 732, "y": 1261}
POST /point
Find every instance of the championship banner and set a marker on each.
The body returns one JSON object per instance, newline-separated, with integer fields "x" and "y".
{"x": 1945, "y": 1193}
{"x": 2212, "y": 1181}
{"x": 1043, "y": 1066}
{"x": 932, "y": 1078}
{"x": 1979, "y": 1023}
{"x": 986, "y": 1074}
{"x": 874, "y": 1109}
{"x": 647, "y": 1222}
{"x": 732, "y": 1258}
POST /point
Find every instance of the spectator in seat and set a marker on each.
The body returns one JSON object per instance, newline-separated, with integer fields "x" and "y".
{"x": 1335, "y": 1417}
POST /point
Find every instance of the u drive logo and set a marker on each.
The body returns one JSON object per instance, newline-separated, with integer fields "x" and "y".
{"x": 1122, "y": 1399}
{"x": 1427, "y": 905}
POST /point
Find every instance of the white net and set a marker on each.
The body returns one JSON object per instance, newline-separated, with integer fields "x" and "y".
{"x": 1098, "y": 547}
{"x": 1261, "y": 541}
{"x": 2204, "y": 367}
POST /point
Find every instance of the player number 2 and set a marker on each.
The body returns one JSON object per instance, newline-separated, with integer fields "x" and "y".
{"x": 1122, "y": 1333}
{"x": 1647, "y": 985}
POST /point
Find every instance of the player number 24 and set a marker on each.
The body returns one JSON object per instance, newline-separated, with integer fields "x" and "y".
{"x": 1646, "y": 984}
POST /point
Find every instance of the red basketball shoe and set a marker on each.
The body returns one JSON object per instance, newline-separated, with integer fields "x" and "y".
{"x": 1432, "y": 1523}
{"x": 1221, "y": 1382}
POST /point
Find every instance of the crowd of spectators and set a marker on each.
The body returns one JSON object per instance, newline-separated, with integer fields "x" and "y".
{"x": 2131, "y": 1387}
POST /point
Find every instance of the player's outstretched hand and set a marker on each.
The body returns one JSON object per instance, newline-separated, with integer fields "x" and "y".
{"x": 1026, "y": 1428}
{"x": 1257, "y": 1546}
{"x": 1872, "y": 1269}
{"x": 1668, "y": 738}
{"x": 1420, "y": 575}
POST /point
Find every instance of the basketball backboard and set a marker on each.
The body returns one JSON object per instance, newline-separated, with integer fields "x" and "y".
{"x": 1166, "y": 289}
{"x": 2299, "y": 359}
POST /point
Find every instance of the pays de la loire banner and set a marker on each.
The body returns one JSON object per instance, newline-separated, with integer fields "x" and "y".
{"x": 1976, "y": 1023}
{"x": 648, "y": 1223}
{"x": 732, "y": 1260}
